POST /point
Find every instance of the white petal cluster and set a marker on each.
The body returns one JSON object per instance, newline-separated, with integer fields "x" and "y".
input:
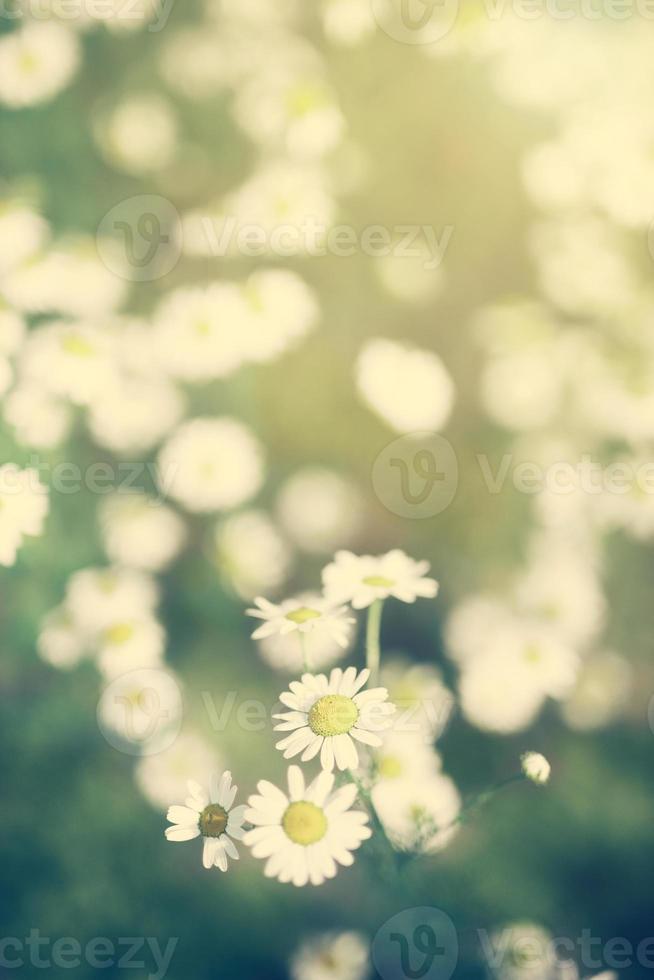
{"x": 110, "y": 614}
{"x": 211, "y": 464}
{"x": 319, "y": 509}
{"x": 213, "y": 816}
{"x": 306, "y": 833}
{"x": 37, "y": 61}
{"x": 24, "y": 505}
{"x": 250, "y": 553}
{"x": 363, "y": 579}
{"x": 328, "y": 716}
{"x": 409, "y": 388}
{"x": 332, "y": 956}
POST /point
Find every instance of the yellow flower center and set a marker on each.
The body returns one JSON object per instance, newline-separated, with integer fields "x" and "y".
{"x": 120, "y": 633}
{"x": 213, "y": 821}
{"x": 76, "y": 345}
{"x": 304, "y": 823}
{"x": 378, "y": 581}
{"x": 304, "y": 99}
{"x": 533, "y": 655}
{"x": 389, "y": 767}
{"x": 302, "y": 615}
{"x": 333, "y": 715}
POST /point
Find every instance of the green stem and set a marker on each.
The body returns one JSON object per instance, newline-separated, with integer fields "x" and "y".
{"x": 477, "y": 802}
{"x": 373, "y": 630}
{"x": 366, "y": 798}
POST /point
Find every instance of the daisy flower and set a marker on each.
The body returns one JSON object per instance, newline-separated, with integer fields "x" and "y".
{"x": 305, "y": 835}
{"x": 328, "y": 716}
{"x": 212, "y": 816}
{"x": 362, "y": 579}
{"x": 305, "y": 614}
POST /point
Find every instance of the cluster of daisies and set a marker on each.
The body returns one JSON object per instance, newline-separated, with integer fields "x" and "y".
{"x": 307, "y": 829}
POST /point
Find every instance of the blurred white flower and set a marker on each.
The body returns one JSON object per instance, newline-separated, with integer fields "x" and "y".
{"x": 60, "y": 643}
{"x": 601, "y": 694}
{"x": 410, "y": 278}
{"x": 71, "y": 360}
{"x": 70, "y": 279}
{"x": 213, "y": 816}
{"x": 614, "y": 394}
{"x": 163, "y": 776}
{"x": 134, "y": 414}
{"x": 332, "y": 956}
{"x": 279, "y": 200}
{"x": 503, "y": 686}
{"x": 562, "y": 588}
{"x": 197, "y": 332}
{"x": 23, "y": 233}
{"x": 37, "y": 61}
{"x": 251, "y": 554}
{"x": 196, "y": 62}
{"x": 130, "y": 644}
{"x": 319, "y": 509}
{"x": 281, "y": 309}
{"x": 405, "y": 755}
{"x": 141, "y": 707}
{"x": 348, "y": 22}
{"x": 524, "y": 951}
{"x": 362, "y": 579}
{"x": 97, "y": 598}
{"x": 285, "y": 653}
{"x": 424, "y": 704}
{"x": 306, "y": 834}
{"x": 583, "y": 267}
{"x": 290, "y": 111}
{"x": 418, "y": 814}
{"x": 24, "y": 504}
{"x": 39, "y": 419}
{"x": 471, "y": 622}
{"x": 535, "y": 767}
{"x": 211, "y": 464}
{"x": 140, "y": 135}
{"x": 140, "y": 532}
{"x": 409, "y": 388}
